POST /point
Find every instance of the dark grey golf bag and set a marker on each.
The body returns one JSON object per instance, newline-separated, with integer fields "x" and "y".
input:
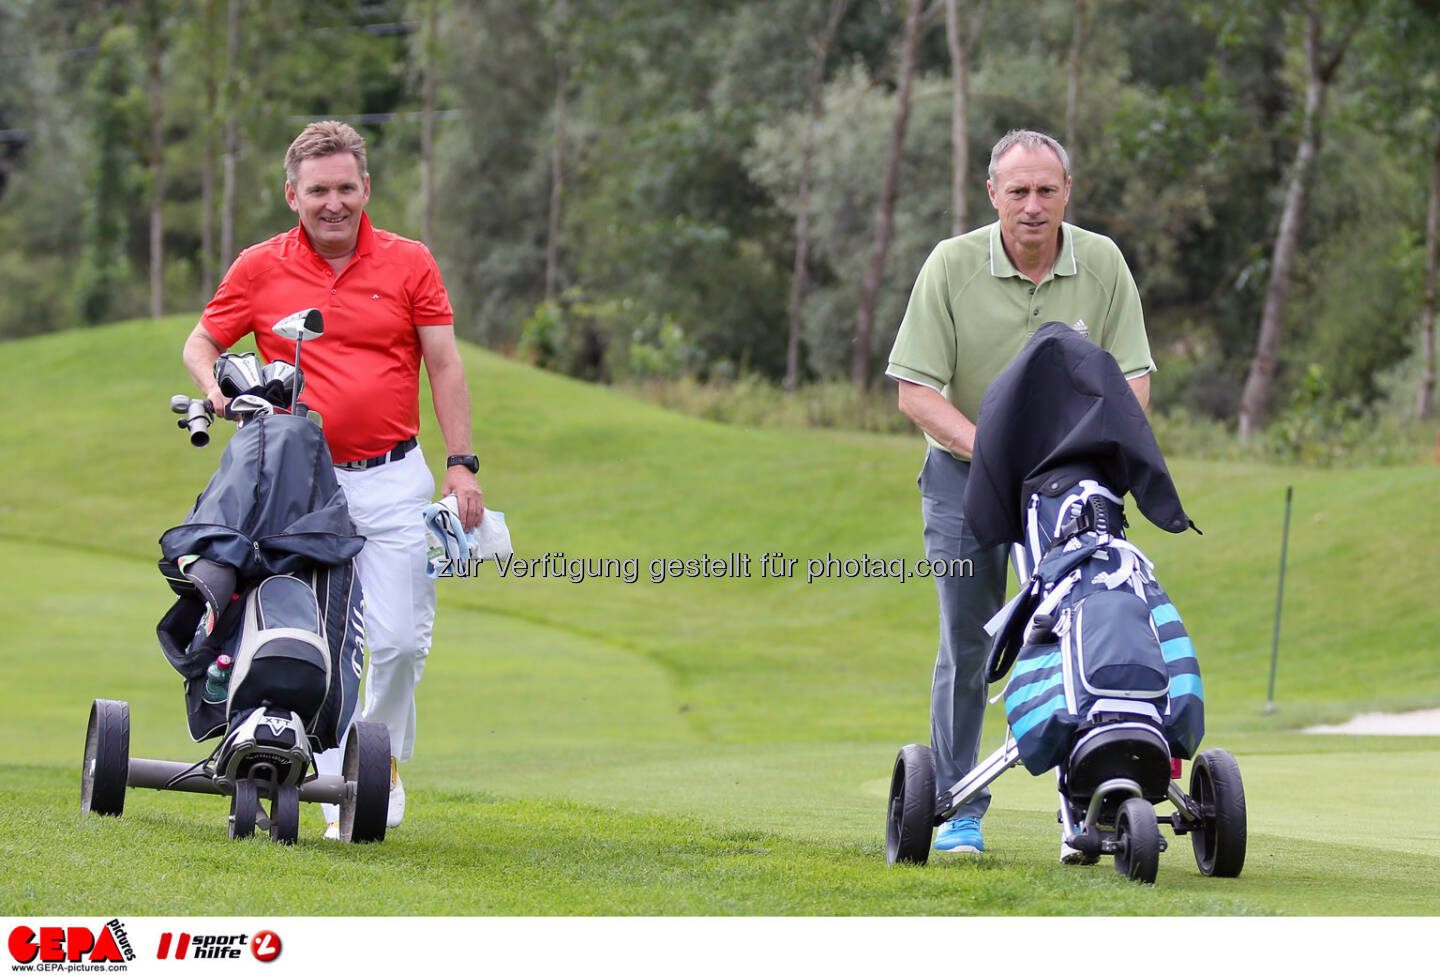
{"x": 263, "y": 570}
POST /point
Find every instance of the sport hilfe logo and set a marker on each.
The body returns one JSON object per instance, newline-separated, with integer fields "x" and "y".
{"x": 184, "y": 946}
{"x": 71, "y": 944}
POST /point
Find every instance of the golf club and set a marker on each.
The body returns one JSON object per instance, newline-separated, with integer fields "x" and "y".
{"x": 301, "y": 326}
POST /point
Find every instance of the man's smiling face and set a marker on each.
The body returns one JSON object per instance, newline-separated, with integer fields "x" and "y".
{"x": 329, "y": 193}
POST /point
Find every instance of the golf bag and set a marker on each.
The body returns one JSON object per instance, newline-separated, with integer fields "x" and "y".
{"x": 262, "y": 568}
{"x": 1094, "y": 639}
{"x": 1100, "y": 658}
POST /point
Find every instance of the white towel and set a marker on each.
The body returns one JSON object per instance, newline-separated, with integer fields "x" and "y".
{"x": 488, "y": 540}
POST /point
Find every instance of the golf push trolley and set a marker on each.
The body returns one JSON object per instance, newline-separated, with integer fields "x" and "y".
{"x": 1109, "y": 786}
{"x": 1104, "y": 686}
{"x": 267, "y": 628}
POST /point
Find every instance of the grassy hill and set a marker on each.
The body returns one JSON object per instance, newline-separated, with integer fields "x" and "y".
{"x": 762, "y": 713}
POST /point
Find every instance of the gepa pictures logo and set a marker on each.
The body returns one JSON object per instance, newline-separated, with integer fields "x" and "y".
{"x": 48, "y": 946}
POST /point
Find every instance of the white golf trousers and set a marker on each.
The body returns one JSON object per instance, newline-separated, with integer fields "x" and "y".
{"x": 387, "y": 504}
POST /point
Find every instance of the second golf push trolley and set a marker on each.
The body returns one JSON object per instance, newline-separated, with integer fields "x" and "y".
{"x": 1104, "y": 686}
{"x": 263, "y": 574}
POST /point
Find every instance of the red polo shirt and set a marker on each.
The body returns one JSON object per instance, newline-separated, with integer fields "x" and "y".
{"x": 363, "y": 376}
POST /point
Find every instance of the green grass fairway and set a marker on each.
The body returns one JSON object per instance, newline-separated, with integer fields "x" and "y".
{"x": 692, "y": 746}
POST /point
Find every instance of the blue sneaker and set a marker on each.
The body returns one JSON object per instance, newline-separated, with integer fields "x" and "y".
{"x": 960, "y": 835}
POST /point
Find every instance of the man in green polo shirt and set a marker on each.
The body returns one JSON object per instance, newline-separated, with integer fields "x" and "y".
{"x": 977, "y": 301}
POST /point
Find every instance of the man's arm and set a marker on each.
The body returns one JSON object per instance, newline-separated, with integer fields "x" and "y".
{"x": 199, "y": 355}
{"x": 1140, "y": 386}
{"x": 936, "y": 415}
{"x": 1124, "y": 332}
{"x": 452, "y": 411}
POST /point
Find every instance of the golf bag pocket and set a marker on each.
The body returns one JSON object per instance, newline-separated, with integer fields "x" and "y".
{"x": 282, "y": 660}
{"x": 1107, "y": 649}
{"x": 1037, "y": 706}
{"x": 1116, "y": 650}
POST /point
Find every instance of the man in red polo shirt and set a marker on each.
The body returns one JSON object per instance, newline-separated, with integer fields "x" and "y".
{"x": 385, "y": 311}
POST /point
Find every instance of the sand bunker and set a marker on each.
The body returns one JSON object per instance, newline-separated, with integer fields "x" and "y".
{"x": 1404, "y": 723}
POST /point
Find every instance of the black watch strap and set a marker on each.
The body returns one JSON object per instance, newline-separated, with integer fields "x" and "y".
{"x": 464, "y": 460}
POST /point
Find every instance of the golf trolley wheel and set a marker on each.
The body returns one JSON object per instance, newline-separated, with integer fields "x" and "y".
{"x": 244, "y": 809}
{"x": 1138, "y": 835}
{"x": 367, "y": 778}
{"x": 285, "y": 814}
{"x": 910, "y": 816}
{"x": 1219, "y": 842}
{"x": 106, "y": 766}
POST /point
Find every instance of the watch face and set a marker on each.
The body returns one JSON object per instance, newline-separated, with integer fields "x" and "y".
{"x": 468, "y": 461}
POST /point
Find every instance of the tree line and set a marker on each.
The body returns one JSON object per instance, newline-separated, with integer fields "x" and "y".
{"x": 622, "y": 189}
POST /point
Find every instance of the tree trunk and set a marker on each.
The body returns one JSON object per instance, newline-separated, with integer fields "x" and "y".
{"x": 1255, "y": 398}
{"x": 885, "y": 215}
{"x": 207, "y": 166}
{"x": 959, "y": 120}
{"x": 232, "y": 134}
{"x": 960, "y": 46}
{"x": 157, "y": 173}
{"x": 427, "y": 128}
{"x": 557, "y": 179}
{"x": 799, "y": 276}
{"x": 1425, "y": 402}
{"x": 1072, "y": 95}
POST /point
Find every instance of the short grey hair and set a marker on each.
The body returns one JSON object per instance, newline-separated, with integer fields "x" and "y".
{"x": 1030, "y": 139}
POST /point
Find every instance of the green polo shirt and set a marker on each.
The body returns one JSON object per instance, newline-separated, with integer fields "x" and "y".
{"x": 971, "y": 312}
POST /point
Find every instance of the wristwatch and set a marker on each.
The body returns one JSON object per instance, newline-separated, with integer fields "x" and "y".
{"x": 464, "y": 460}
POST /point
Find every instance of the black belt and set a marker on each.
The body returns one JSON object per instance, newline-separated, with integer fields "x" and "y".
{"x": 399, "y": 450}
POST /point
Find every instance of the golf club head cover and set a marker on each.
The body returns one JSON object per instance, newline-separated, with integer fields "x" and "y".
{"x": 236, "y": 373}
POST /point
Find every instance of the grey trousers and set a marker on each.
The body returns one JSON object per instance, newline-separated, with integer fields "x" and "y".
{"x": 968, "y": 598}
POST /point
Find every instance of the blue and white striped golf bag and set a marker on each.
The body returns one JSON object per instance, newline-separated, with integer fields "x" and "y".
{"x": 1092, "y": 642}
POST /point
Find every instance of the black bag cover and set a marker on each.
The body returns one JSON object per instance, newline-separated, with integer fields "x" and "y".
{"x": 274, "y": 507}
{"x": 1060, "y": 412}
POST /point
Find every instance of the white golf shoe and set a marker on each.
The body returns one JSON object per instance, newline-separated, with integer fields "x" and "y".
{"x": 396, "y": 813}
{"x": 332, "y": 830}
{"x": 1070, "y": 855}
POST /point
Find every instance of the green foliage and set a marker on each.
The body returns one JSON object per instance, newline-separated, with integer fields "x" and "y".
{"x": 753, "y": 401}
{"x": 849, "y": 157}
{"x": 1322, "y": 429}
{"x": 1315, "y": 429}
{"x": 115, "y": 108}
{"x": 1355, "y": 318}
{"x": 607, "y": 339}
{"x": 680, "y": 157}
{"x": 36, "y": 292}
{"x": 493, "y": 165}
{"x": 1312, "y": 432}
{"x": 659, "y": 350}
